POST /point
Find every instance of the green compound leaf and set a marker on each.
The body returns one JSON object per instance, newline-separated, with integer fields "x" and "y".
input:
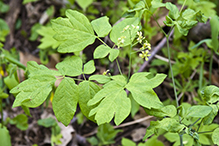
{"x": 210, "y": 117}
{"x": 215, "y": 136}
{"x": 114, "y": 53}
{"x": 167, "y": 124}
{"x": 106, "y": 134}
{"x": 75, "y": 32}
{"x": 141, "y": 89}
{"x": 65, "y": 100}
{"x": 79, "y": 21}
{"x": 210, "y": 94}
{"x": 33, "y": 91}
{"x": 112, "y": 101}
{"x": 70, "y": 66}
{"x": 11, "y": 81}
{"x": 102, "y": 79}
{"x": 174, "y": 138}
{"x": 188, "y": 19}
{"x": 127, "y": 142}
{"x": 3, "y": 95}
{"x": 117, "y": 31}
{"x": 89, "y": 67}
{"x": 4, "y": 7}
{"x": 87, "y": 90}
{"x": 165, "y": 111}
{"x": 157, "y": 3}
{"x": 101, "y": 51}
{"x": 215, "y": 32}
{"x": 183, "y": 109}
{"x": 47, "y": 39}
{"x": 4, "y": 31}
{"x": 135, "y": 106}
{"x": 36, "y": 69}
{"x": 84, "y": 3}
{"x": 199, "y": 111}
{"x": 21, "y": 122}
{"x": 173, "y": 10}
{"x": 5, "y": 136}
{"x": 47, "y": 122}
{"x": 101, "y": 26}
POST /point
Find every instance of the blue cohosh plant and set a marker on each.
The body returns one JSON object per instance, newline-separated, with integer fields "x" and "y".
{"x": 102, "y": 98}
{"x": 8, "y": 80}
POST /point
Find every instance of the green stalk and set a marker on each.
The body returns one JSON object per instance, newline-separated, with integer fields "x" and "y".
{"x": 101, "y": 41}
{"x": 210, "y": 68}
{"x": 117, "y": 62}
{"x": 205, "y": 132}
{"x": 182, "y": 6}
{"x": 199, "y": 125}
{"x": 130, "y": 62}
{"x": 201, "y": 74}
{"x": 195, "y": 122}
{"x": 84, "y": 76}
{"x": 130, "y": 56}
{"x": 174, "y": 86}
{"x": 116, "y": 59}
{"x": 1, "y": 108}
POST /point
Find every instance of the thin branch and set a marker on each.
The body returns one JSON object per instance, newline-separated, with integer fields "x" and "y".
{"x": 122, "y": 125}
{"x": 133, "y": 122}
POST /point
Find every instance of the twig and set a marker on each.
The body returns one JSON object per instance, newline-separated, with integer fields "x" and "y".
{"x": 122, "y": 125}
{"x": 133, "y": 122}
{"x": 164, "y": 59}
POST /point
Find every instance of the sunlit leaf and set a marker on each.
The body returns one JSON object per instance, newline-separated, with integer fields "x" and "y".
{"x": 87, "y": 91}
{"x": 75, "y": 32}
{"x": 113, "y": 101}
{"x": 89, "y": 67}
{"x": 65, "y": 100}
{"x": 117, "y": 31}
{"x": 101, "y": 26}
{"x": 71, "y": 66}
{"x": 215, "y": 136}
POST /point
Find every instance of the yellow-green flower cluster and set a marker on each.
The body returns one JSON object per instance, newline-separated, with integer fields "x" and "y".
{"x": 121, "y": 41}
{"x": 140, "y": 37}
{"x": 145, "y": 54}
{"x": 106, "y": 73}
{"x": 145, "y": 50}
{"x": 146, "y": 45}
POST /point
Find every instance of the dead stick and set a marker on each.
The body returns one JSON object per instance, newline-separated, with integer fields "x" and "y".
{"x": 133, "y": 122}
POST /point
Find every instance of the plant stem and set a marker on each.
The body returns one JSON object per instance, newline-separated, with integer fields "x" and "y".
{"x": 116, "y": 59}
{"x": 130, "y": 62}
{"x": 1, "y": 108}
{"x": 117, "y": 62}
{"x": 174, "y": 86}
{"x": 195, "y": 122}
{"x": 181, "y": 139}
{"x": 84, "y": 77}
{"x": 199, "y": 125}
{"x": 210, "y": 68}
{"x": 201, "y": 74}
{"x": 102, "y": 41}
{"x": 182, "y": 6}
{"x": 205, "y": 132}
